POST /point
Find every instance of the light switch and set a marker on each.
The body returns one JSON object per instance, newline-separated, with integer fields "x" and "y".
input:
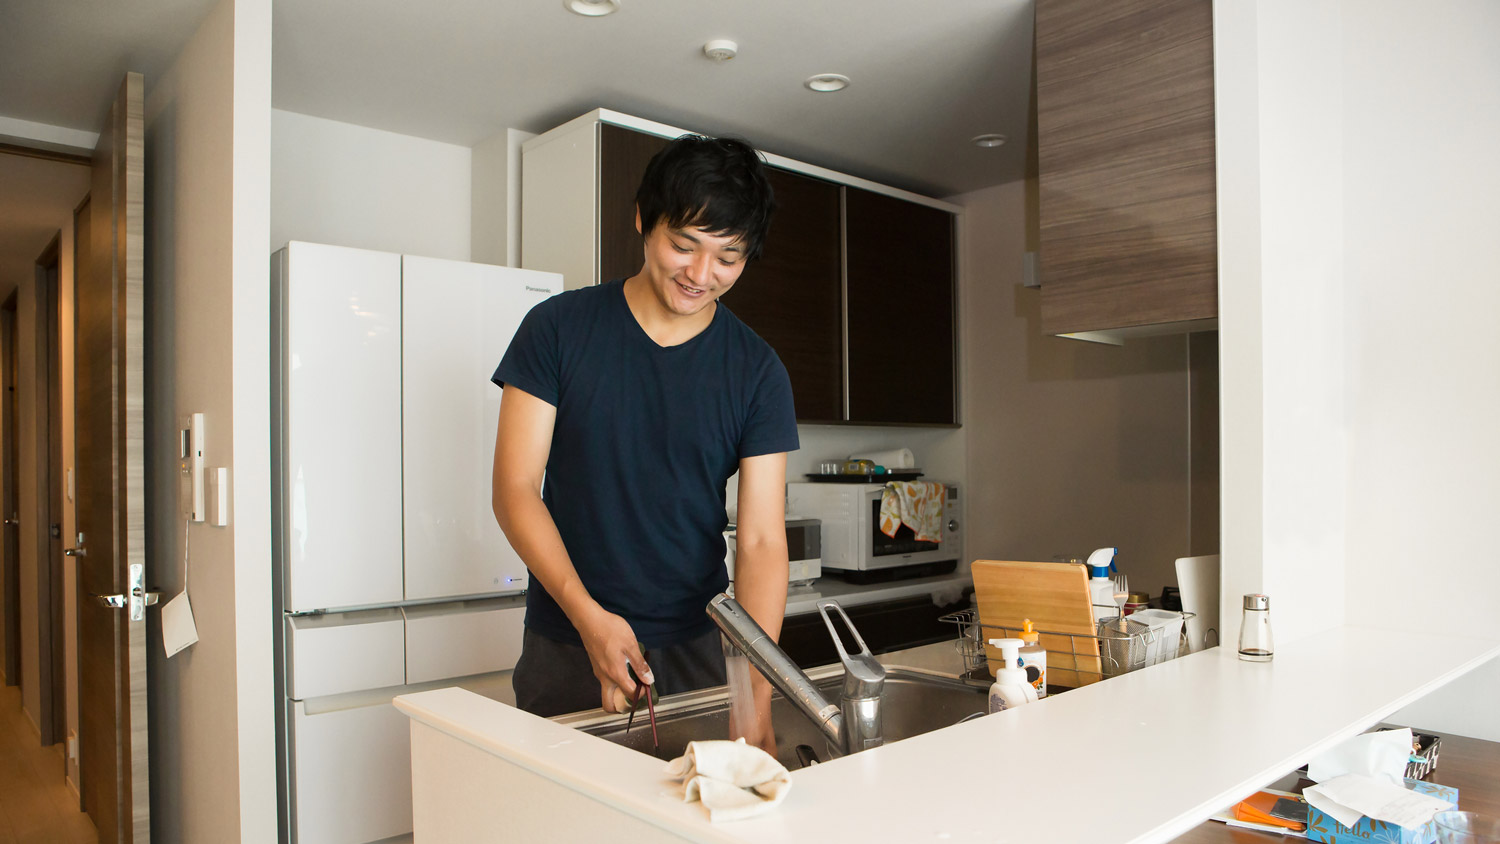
{"x": 218, "y": 491}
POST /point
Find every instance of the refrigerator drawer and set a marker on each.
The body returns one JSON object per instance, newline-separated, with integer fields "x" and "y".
{"x": 352, "y": 775}
{"x": 463, "y": 638}
{"x": 334, "y": 653}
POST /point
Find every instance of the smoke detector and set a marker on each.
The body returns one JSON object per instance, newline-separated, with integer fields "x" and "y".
{"x": 721, "y": 49}
{"x": 990, "y": 140}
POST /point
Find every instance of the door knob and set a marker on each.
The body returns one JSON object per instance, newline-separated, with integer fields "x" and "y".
{"x": 75, "y": 552}
{"x": 13, "y": 522}
{"x": 137, "y": 599}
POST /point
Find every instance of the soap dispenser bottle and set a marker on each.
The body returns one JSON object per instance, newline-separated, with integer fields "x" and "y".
{"x": 1101, "y": 588}
{"x": 1034, "y": 659}
{"x": 1010, "y": 688}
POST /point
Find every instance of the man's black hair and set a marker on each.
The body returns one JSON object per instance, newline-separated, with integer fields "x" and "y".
{"x": 715, "y": 184}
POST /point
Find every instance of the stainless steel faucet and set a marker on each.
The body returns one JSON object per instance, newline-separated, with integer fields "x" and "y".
{"x": 851, "y": 726}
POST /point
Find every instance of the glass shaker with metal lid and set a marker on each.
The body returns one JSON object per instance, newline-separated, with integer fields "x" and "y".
{"x": 1255, "y": 629}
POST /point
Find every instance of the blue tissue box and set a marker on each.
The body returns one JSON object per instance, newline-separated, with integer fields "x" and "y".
{"x": 1321, "y": 827}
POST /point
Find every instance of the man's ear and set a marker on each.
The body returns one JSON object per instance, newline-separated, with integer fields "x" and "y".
{"x": 638, "y": 221}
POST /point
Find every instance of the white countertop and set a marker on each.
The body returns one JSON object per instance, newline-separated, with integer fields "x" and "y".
{"x": 1167, "y": 746}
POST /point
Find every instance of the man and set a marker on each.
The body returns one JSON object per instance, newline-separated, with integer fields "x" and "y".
{"x": 637, "y": 400}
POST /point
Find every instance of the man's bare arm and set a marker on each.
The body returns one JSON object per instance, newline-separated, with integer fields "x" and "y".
{"x": 523, "y": 441}
{"x": 760, "y": 567}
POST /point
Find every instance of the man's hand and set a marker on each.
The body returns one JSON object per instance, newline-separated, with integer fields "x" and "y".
{"x": 612, "y": 648}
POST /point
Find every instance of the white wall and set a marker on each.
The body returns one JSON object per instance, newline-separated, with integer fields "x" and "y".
{"x": 1423, "y": 359}
{"x": 347, "y": 185}
{"x": 1357, "y": 204}
{"x": 208, "y": 176}
{"x": 496, "y": 198}
{"x": 1281, "y": 276}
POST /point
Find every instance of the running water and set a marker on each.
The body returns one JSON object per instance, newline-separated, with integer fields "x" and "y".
{"x": 741, "y": 701}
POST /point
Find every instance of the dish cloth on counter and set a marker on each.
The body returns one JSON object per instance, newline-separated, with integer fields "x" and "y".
{"x": 732, "y": 779}
{"x": 916, "y": 504}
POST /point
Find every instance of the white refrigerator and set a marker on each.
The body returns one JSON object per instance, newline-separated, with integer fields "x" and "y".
{"x": 391, "y": 573}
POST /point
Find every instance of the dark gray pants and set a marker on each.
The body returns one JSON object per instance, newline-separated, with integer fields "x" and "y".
{"x": 554, "y": 678}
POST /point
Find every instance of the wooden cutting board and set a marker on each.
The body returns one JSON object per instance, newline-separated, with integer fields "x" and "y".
{"x": 1055, "y": 596}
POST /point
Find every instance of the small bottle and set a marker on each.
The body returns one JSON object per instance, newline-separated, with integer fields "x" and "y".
{"x": 1010, "y": 688}
{"x": 1034, "y": 659}
{"x": 1255, "y": 629}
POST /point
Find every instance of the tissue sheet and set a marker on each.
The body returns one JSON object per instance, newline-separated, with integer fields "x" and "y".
{"x": 1381, "y": 756}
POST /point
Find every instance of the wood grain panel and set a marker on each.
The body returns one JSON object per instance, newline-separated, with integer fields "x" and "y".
{"x": 623, "y": 156}
{"x": 1125, "y": 120}
{"x": 1055, "y": 597}
{"x": 792, "y": 295}
{"x": 900, "y": 299}
{"x": 111, "y": 479}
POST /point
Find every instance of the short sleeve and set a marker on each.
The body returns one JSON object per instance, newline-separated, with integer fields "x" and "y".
{"x": 771, "y": 425}
{"x": 533, "y": 360}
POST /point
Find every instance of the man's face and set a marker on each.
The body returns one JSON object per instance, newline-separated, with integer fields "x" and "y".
{"x": 688, "y": 268}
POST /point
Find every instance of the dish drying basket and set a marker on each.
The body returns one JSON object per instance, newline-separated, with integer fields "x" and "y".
{"x": 1074, "y": 659}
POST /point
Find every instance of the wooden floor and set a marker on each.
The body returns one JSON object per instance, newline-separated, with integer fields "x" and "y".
{"x": 36, "y": 805}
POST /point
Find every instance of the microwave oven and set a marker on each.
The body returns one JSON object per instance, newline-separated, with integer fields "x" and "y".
{"x": 803, "y": 551}
{"x": 852, "y": 539}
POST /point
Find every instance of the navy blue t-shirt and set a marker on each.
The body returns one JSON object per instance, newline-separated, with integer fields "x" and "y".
{"x": 644, "y": 441}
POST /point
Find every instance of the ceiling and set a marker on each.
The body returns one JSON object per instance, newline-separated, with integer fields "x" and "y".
{"x": 926, "y": 77}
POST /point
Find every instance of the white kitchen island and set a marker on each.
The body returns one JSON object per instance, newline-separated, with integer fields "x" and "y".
{"x": 1137, "y": 758}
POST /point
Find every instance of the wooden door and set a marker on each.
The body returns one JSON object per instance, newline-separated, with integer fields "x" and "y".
{"x": 9, "y": 496}
{"x": 623, "y": 156}
{"x": 111, "y": 482}
{"x": 792, "y": 296}
{"x": 902, "y": 352}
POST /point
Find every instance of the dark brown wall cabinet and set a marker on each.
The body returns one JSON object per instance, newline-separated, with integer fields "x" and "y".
{"x": 894, "y": 283}
{"x": 1125, "y": 120}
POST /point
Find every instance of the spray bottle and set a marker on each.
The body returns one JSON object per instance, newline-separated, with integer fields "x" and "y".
{"x": 1010, "y": 688}
{"x": 1101, "y": 588}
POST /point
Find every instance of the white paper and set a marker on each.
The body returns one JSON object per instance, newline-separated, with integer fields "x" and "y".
{"x": 177, "y": 628}
{"x": 1380, "y": 756}
{"x": 1348, "y": 798}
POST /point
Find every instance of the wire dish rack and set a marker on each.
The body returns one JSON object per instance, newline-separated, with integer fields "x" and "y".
{"x": 1073, "y": 659}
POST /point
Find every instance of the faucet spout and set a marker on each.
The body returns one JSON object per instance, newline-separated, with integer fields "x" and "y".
{"x": 851, "y": 725}
{"x": 773, "y": 663}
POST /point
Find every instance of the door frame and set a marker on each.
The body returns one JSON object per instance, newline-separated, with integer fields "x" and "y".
{"x": 10, "y": 492}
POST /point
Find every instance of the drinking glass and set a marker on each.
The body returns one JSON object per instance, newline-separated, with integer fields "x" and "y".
{"x": 1467, "y": 828}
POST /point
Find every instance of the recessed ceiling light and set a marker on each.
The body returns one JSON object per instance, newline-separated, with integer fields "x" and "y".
{"x": 990, "y": 141}
{"x": 592, "y": 8}
{"x": 721, "y": 49}
{"x": 825, "y": 83}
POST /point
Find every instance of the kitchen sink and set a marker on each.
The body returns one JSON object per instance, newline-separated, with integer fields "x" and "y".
{"x": 913, "y": 702}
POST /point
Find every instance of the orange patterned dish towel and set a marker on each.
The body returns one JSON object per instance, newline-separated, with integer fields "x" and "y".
{"x": 916, "y": 504}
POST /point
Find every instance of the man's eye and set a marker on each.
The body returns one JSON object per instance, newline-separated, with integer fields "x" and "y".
{"x": 680, "y": 248}
{"x": 729, "y": 262}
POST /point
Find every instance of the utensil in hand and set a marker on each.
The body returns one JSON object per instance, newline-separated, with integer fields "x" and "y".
{"x": 635, "y": 704}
